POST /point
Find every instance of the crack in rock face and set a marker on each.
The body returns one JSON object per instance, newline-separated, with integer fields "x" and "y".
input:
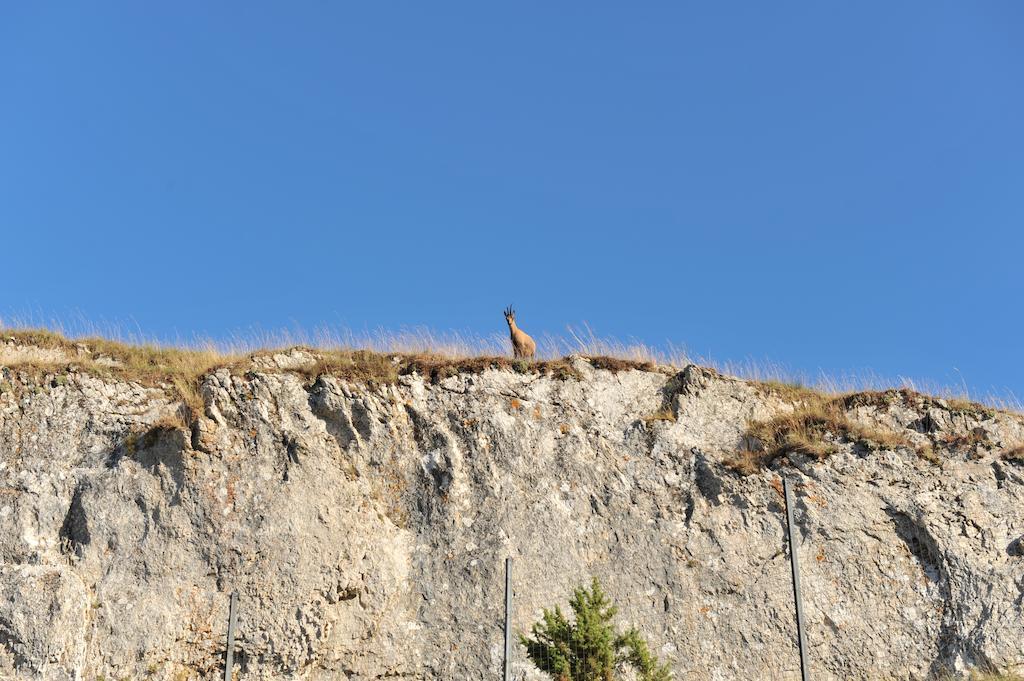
{"x": 365, "y": 527}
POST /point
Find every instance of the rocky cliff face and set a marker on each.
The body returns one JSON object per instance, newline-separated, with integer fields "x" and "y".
{"x": 365, "y": 528}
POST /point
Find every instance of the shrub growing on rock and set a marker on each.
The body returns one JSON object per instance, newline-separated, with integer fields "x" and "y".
{"x": 588, "y": 648}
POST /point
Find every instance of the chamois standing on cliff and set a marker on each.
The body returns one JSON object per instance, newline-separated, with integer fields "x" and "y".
{"x": 523, "y": 346}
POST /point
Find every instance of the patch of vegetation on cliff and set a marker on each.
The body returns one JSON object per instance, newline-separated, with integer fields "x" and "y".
{"x": 819, "y": 423}
{"x": 357, "y": 366}
{"x": 1014, "y": 454}
{"x": 437, "y": 368}
{"x": 815, "y": 427}
{"x": 790, "y": 391}
{"x": 665, "y": 413}
{"x": 364, "y": 366}
{"x": 918, "y": 401}
{"x": 176, "y": 369}
{"x": 796, "y": 392}
{"x": 38, "y": 353}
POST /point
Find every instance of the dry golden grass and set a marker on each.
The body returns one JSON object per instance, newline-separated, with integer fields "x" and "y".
{"x": 614, "y": 364}
{"x": 370, "y": 367}
{"x": 663, "y": 414}
{"x": 868, "y": 387}
{"x": 747, "y": 461}
{"x": 155, "y": 364}
{"x": 790, "y": 391}
{"x": 963, "y": 404}
{"x": 175, "y": 421}
{"x": 438, "y": 368}
{"x": 884, "y": 398}
{"x": 927, "y": 452}
{"x": 815, "y": 427}
{"x": 177, "y": 369}
{"x": 818, "y": 423}
{"x": 1014, "y": 454}
{"x": 180, "y": 369}
{"x": 358, "y": 366}
{"x": 583, "y": 341}
{"x": 576, "y": 341}
{"x": 975, "y": 437}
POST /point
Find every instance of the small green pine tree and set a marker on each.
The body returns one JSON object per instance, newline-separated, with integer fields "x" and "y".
{"x": 588, "y": 648}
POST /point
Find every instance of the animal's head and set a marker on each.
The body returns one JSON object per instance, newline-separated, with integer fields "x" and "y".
{"x": 510, "y": 315}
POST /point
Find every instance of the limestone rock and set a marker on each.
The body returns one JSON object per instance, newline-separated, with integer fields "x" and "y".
{"x": 365, "y": 528}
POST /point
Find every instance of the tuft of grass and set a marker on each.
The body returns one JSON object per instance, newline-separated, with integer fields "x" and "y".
{"x": 747, "y": 461}
{"x": 564, "y": 371}
{"x": 663, "y": 414}
{"x": 927, "y": 452}
{"x": 438, "y": 368}
{"x": 40, "y": 338}
{"x": 789, "y": 390}
{"x": 173, "y": 421}
{"x": 1014, "y": 454}
{"x": 881, "y": 398}
{"x": 916, "y": 400}
{"x": 977, "y": 436}
{"x": 804, "y": 431}
{"x": 617, "y": 364}
{"x": 967, "y": 406}
{"x": 874, "y": 437}
{"x": 357, "y": 366}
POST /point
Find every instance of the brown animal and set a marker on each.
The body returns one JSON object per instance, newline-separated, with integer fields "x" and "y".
{"x": 523, "y": 346}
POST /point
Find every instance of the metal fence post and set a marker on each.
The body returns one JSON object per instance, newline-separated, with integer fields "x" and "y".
{"x": 794, "y": 564}
{"x": 507, "y": 673}
{"x": 229, "y": 657}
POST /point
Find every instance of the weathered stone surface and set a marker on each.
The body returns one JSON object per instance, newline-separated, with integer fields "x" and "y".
{"x": 44, "y": 613}
{"x": 365, "y": 529}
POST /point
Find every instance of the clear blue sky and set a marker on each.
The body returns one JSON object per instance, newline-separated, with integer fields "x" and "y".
{"x": 830, "y": 185}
